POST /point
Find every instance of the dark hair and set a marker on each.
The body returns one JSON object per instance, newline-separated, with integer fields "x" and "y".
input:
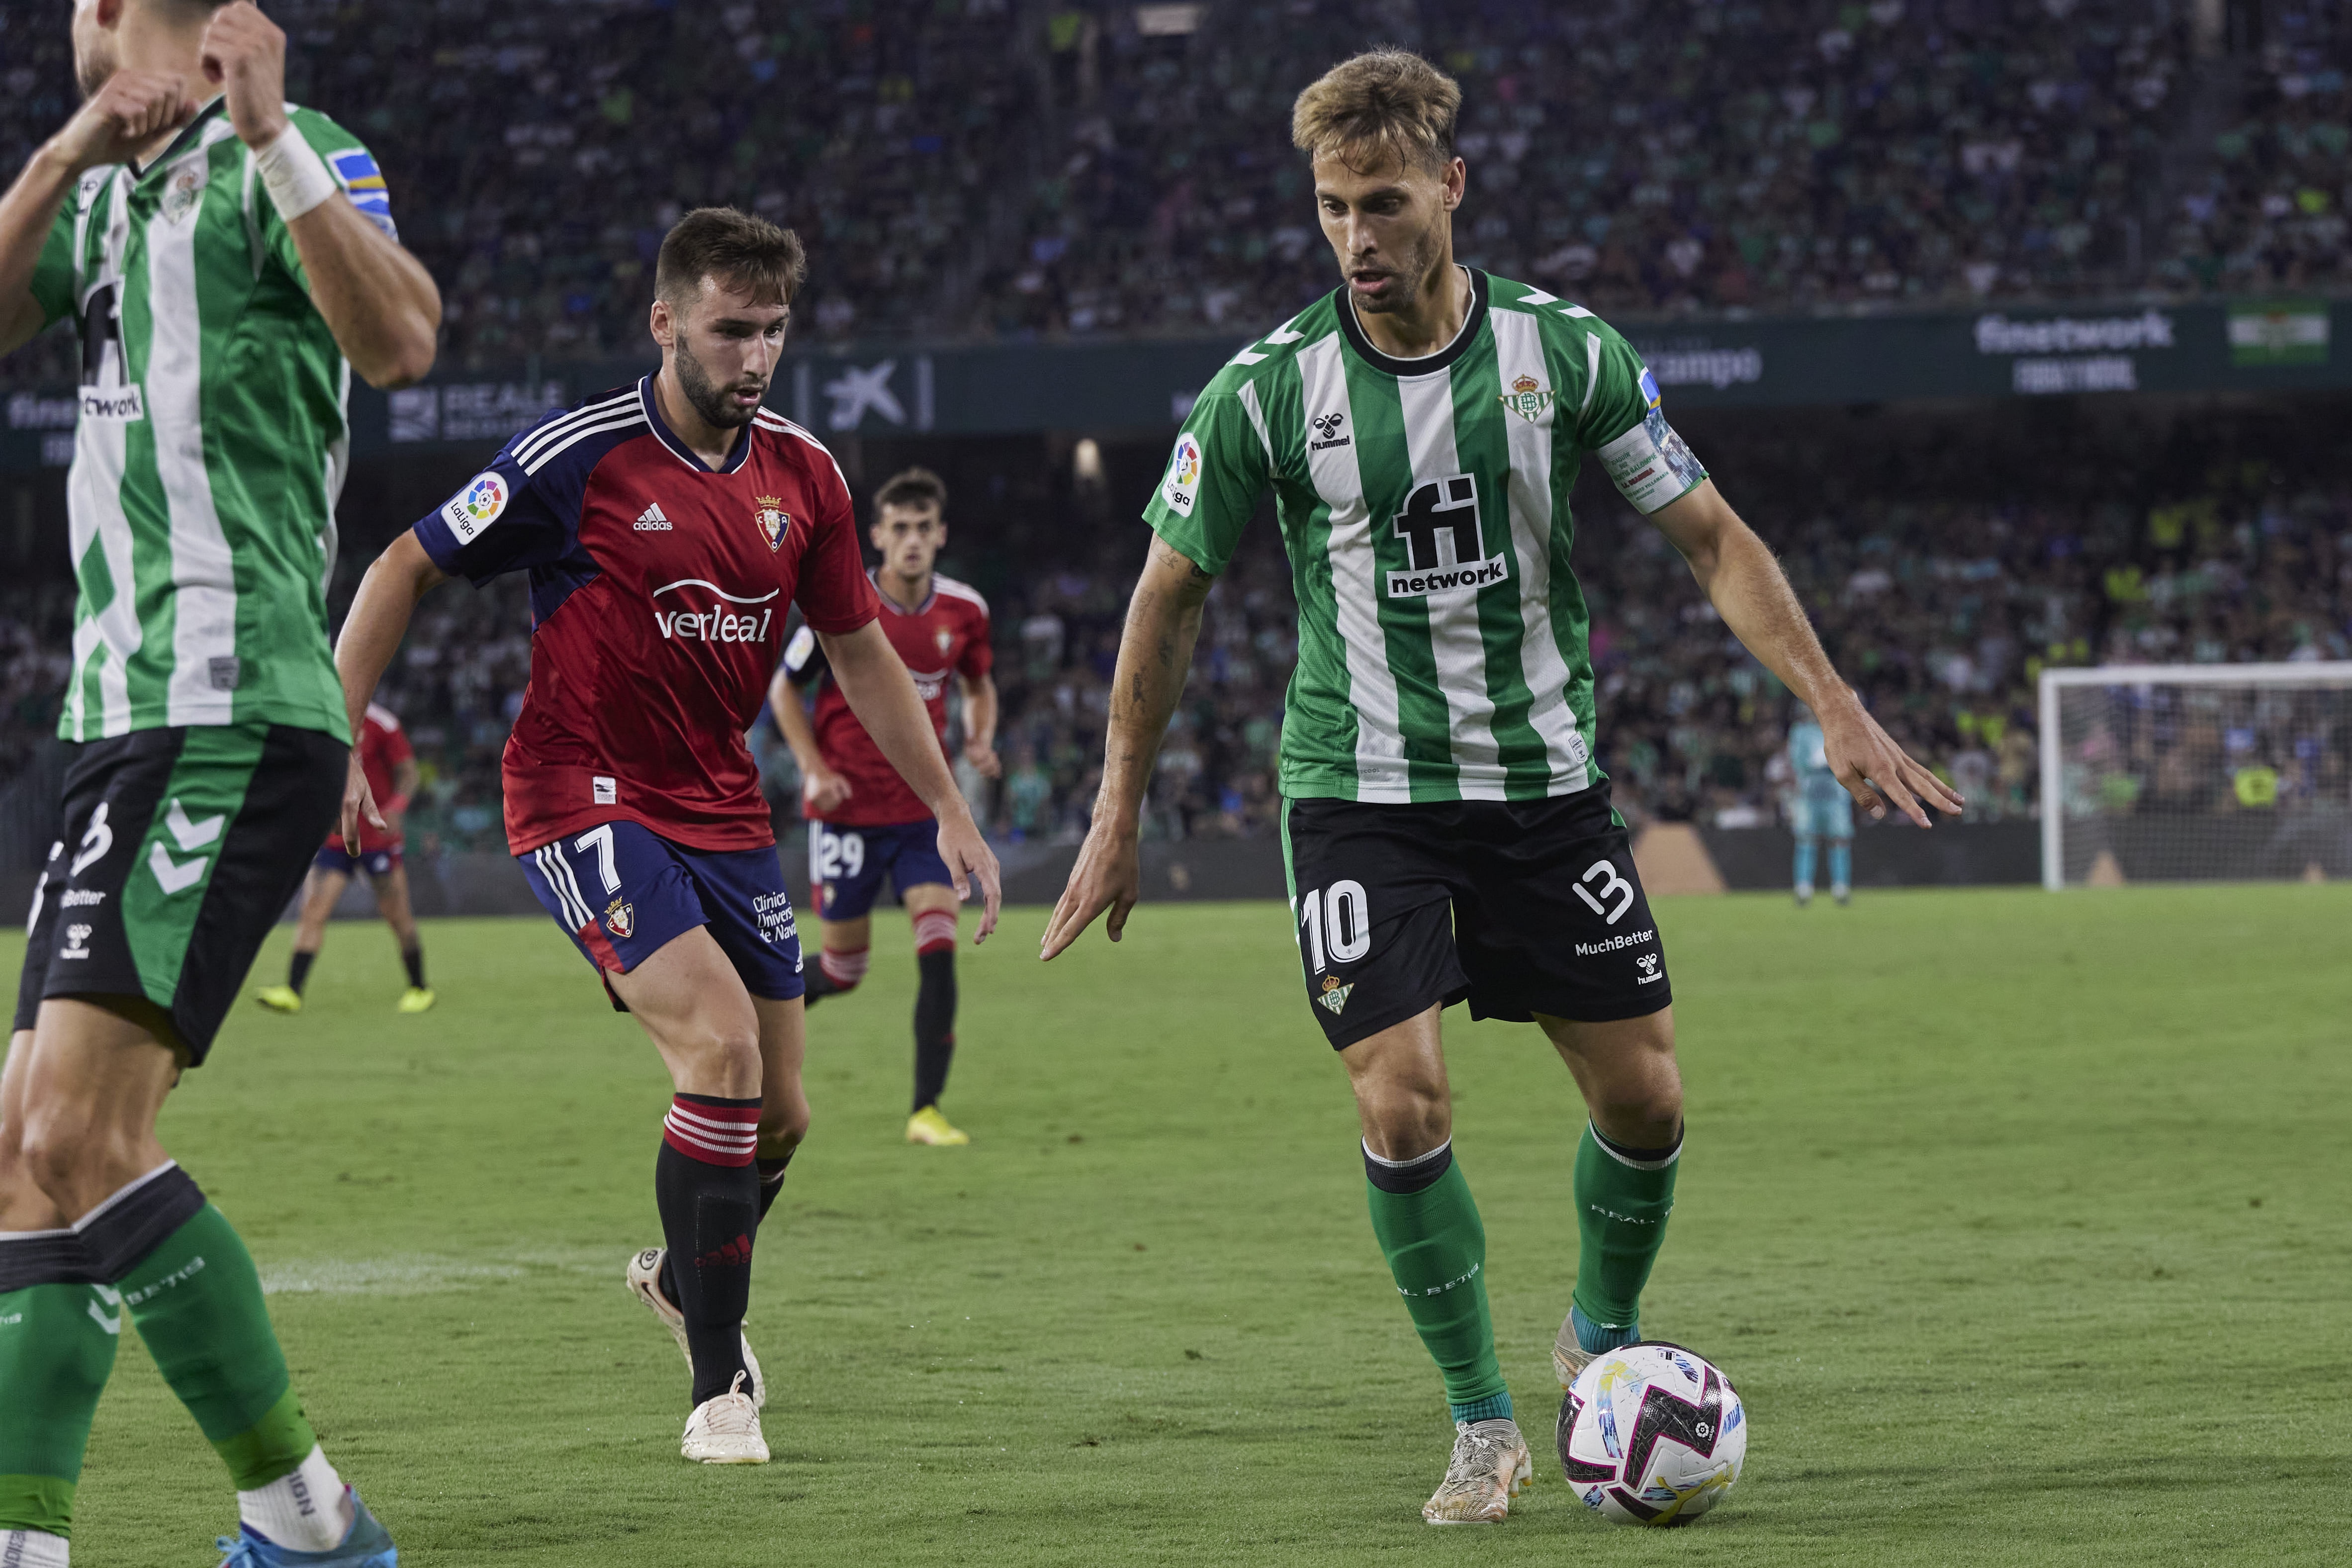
{"x": 911, "y": 487}
{"x": 741, "y": 250}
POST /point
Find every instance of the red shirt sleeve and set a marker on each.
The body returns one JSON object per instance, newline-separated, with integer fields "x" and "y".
{"x": 833, "y": 592}
{"x": 392, "y": 744}
{"x": 979, "y": 657}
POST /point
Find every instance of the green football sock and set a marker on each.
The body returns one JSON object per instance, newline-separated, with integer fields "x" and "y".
{"x": 197, "y": 1302}
{"x": 1623, "y": 1198}
{"x": 56, "y": 1347}
{"x": 1428, "y": 1230}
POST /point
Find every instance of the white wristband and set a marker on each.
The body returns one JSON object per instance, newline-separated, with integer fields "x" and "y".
{"x": 294, "y": 174}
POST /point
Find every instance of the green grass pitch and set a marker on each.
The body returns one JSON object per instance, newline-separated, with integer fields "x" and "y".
{"x": 2018, "y": 1220}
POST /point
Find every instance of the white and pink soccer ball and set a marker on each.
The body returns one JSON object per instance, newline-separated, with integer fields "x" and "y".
{"x": 1652, "y": 1434}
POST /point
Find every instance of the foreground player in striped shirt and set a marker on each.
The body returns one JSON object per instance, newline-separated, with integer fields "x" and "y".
{"x": 1447, "y": 829}
{"x": 230, "y": 260}
{"x": 667, "y": 528}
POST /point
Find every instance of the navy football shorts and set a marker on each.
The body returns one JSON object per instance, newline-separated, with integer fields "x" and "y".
{"x": 622, "y": 892}
{"x": 376, "y": 863}
{"x": 846, "y": 864}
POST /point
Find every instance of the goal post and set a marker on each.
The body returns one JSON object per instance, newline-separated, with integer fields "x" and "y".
{"x": 2196, "y": 772}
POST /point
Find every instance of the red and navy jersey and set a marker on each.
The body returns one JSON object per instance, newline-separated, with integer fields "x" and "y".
{"x": 382, "y": 746}
{"x": 946, "y": 635}
{"x": 660, "y": 591}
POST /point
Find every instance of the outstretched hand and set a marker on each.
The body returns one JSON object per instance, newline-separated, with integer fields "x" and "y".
{"x": 1876, "y": 771}
{"x": 359, "y": 801}
{"x": 971, "y": 862}
{"x": 1109, "y": 876}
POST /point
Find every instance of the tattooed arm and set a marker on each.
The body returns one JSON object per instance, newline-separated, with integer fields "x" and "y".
{"x": 1154, "y": 654}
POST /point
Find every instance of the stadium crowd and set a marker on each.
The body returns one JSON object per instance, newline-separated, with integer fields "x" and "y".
{"x": 1787, "y": 154}
{"x": 979, "y": 168}
{"x": 1941, "y": 589}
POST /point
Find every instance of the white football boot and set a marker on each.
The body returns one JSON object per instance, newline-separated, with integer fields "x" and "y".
{"x": 1569, "y": 1356}
{"x": 724, "y": 1430}
{"x": 645, "y": 1283}
{"x": 1490, "y": 1466}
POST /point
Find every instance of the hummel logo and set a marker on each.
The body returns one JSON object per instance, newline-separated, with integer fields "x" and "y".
{"x": 651, "y": 520}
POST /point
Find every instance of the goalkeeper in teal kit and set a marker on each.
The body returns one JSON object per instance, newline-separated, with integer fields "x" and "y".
{"x": 1819, "y": 808}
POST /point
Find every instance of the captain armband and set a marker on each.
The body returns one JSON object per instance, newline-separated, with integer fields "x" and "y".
{"x": 1650, "y": 464}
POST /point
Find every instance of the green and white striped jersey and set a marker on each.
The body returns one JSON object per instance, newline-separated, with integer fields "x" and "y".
{"x": 212, "y": 439}
{"x": 1424, "y": 504}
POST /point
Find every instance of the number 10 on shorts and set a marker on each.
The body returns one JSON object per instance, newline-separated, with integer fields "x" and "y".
{"x": 1335, "y": 924}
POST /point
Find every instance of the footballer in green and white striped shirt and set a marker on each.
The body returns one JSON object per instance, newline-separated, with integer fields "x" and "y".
{"x": 1447, "y": 825}
{"x": 229, "y": 259}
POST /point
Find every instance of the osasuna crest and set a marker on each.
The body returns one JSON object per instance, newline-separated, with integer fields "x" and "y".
{"x": 1529, "y": 398}
{"x": 945, "y": 638}
{"x": 620, "y": 919}
{"x": 773, "y": 521}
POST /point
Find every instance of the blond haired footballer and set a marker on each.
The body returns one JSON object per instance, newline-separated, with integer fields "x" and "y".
{"x": 1446, "y": 822}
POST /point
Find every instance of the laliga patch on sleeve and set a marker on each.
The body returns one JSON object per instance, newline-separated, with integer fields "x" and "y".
{"x": 1650, "y": 464}
{"x": 1182, "y": 486}
{"x": 476, "y": 506}
{"x": 797, "y": 651}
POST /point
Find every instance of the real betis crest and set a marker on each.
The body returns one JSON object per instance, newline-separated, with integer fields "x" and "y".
{"x": 774, "y": 522}
{"x": 1529, "y": 398}
{"x": 1335, "y": 996}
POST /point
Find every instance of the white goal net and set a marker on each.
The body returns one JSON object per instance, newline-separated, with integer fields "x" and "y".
{"x": 2196, "y": 772}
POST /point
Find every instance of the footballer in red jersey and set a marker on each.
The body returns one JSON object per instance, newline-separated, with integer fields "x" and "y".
{"x": 381, "y": 748}
{"x": 667, "y": 528}
{"x": 864, "y": 822}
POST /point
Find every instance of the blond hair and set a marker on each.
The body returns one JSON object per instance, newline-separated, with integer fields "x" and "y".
{"x": 1381, "y": 106}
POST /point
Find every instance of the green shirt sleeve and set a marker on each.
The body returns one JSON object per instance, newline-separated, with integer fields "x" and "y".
{"x": 354, "y": 168}
{"x": 1622, "y": 424}
{"x": 52, "y": 274}
{"x": 1213, "y": 483}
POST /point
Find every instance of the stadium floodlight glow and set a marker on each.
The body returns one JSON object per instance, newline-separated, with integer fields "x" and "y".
{"x": 2196, "y": 772}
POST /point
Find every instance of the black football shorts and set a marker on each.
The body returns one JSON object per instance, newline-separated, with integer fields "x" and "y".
{"x": 1517, "y": 907}
{"x": 176, "y": 851}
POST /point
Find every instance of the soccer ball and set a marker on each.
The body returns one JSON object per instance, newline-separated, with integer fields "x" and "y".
{"x": 1652, "y": 1434}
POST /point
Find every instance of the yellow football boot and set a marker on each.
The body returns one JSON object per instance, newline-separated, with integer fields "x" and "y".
{"x": 416, "y": 999}
{"x": 279, "y": 998}
{"x": 927, "y": 1126}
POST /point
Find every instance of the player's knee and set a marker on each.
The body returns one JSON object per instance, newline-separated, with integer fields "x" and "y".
{"x": 62, "y": 1153}
{"x": 1645, "y": 1113}
{"x": 728, "y": 1055}
{"x": 782, "y": 1128}
{"x": 1405, "y": 1118}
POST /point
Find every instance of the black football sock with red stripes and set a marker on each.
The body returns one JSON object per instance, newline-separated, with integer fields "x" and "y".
{"x": 708, "y": 1193}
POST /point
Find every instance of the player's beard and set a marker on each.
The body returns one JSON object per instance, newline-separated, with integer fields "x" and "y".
{"x": 94, "y": 61}
{"x": 708, "y": 398}
{"x": 1404, "y": 290}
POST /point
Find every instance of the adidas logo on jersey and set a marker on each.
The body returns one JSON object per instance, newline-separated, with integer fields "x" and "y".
{"x": 651, "y": 520}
